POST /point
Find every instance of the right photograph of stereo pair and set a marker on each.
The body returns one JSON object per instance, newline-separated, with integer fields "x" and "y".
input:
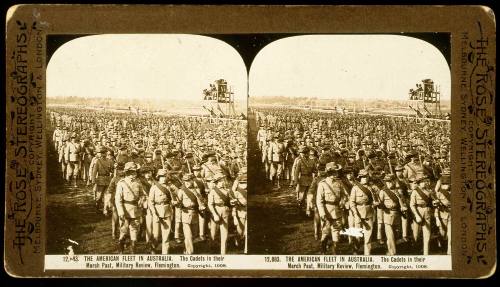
{"x": 349, "y": 145}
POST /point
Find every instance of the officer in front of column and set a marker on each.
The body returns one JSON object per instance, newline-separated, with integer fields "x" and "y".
{"x": 129, "y": 198}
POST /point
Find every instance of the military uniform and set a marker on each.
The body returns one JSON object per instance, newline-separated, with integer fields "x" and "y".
{"x": 377, "y": 186}
{"x": 412, "y": 169}
{"x": 201, "y": 184}
{"x": 159, "y": 201}
{"x": 276, "y": 155}
{"x": 147, "y": 218}
{"x": 191, "y": 204}
{"x": 128, "y": 199}
{"x": 87, "y": 155}
{"x": 403, "y": 185}
{"x": 303, "y": 174}
{"x": 312, "y": 207}
{"x": 72, "y": 158}
{"x": 443, "y": 208}
{"x": 109, "y": 202}
{"x": 330, "y": 200}
{"x": 239, "y": 203}
{"x": 101, "y": 176}
{"x": 391, "y": 205}
{"x": 62, "y": 158}
{"x": 261, "y": 137}
{"x": 57, "y": 138}
{"x": 122, "y": 156}
{"x": 219, "y": 206}
{"x": 361, "y": 204}
{"x": 210, "y": 168}
{"x": 421, "y": 207}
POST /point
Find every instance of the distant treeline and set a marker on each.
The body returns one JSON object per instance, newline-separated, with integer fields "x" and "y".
{"x": 142, "y": 104}
{"x": 358, "y": 104}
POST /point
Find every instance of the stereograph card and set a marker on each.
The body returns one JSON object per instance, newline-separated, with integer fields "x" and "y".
{"x": 250, "y": 141}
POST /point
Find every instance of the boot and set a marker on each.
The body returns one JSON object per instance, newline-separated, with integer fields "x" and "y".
{"x": 323, "y": 246}
{"x": 121, "y": 245}
{"x": 132, "y": 247}
{"x": 334, "y": 248}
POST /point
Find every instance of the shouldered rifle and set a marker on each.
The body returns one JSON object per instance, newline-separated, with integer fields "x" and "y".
{"x": 190, "y": 193}
{"x": 376, "y": 198}
{"x": 390, "y": 164}
{"x": 188, "y": 165}
{"x": 438, "y": 204}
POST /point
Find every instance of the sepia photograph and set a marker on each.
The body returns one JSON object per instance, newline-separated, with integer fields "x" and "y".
{"x": 350, "y": 136}
{"x": 250, "y": 141}
{"x": 147, "y": 148}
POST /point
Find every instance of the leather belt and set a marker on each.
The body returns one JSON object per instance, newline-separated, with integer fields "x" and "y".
{"x": 363, "y": 204}
{"x": 332, "y": 202}
{"x": 162, "y": 202}
{"x": 131, "y": 201}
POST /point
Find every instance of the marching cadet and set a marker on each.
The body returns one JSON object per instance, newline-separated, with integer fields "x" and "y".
{"x": 62, "y": 158}
{"x": 234, "y": 166}
{"x": 158, "y": 159}
{"x": 264, "y": 156}
{"x": 110, "y": 155}
{"x": 148, "y": 181}
{"x": 392, "y": 205}
{"x": 442, "y": 203}
{"x": 276, "y": 156}
{"x": 352, "y": 164}
{"x": 109, "y": 200}
{"x": 239, "y": 204}
{"x": 330, "y": 200}
{"x": 122, "y": 156}
{"x": 311, "y": 200}
{"x": 303, "y": 174}
{"x": 175, "y": 186}
{"x": 290, "y": 155}
{"x": 402, "y": 184}
{"x": 413, "y": 168}
{"x": 348, "y": 182}
{"x": 72, "y": 158}
{"x": 219, "y": 206}
{"x": 102, "y": 171}
{"x": 261, "y": 136}
{"x": 57, "y": 137}
{"x": 201, "y": 185}
{"x": 189, "y": 162}
{"x": 129, "y": 198}
{"x": 421, "y": 207}
{"x": 85, "y": 160}
{"x": 378, "y": 184}
{"x": 210, "y": 167}
{"x": 148, "y": 163}
{"x": 361, "y": 203}
{"x": 173, "y": 164}
{"x": 191, "y": 204}
{"x": 160, "y": 201}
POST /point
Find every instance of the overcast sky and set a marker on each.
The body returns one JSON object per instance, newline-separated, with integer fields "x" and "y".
{"x": 347, "y": 66}
{"x": 144, "y": 66}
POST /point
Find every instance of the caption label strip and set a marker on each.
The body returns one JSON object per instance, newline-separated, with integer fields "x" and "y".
{"x": 247, "y": 262}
